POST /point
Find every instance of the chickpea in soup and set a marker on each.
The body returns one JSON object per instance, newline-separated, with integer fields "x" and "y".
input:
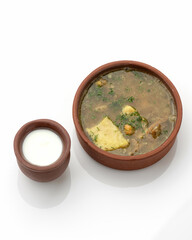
{"x": 128, "y": 112}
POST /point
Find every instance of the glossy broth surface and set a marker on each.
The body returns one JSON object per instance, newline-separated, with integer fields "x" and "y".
{"x": 154, "y": 113}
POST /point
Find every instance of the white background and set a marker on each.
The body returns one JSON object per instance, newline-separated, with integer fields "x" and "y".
{"x": 46, "y": 49}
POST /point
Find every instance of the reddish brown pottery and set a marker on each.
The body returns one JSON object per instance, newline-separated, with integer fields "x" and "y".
{"x": 116, "y": 161}
{"x": 42, "y": 173}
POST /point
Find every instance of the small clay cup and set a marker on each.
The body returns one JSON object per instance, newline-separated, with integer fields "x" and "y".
{"x": 42, "y": 173}
{"x": 117, "y": 161}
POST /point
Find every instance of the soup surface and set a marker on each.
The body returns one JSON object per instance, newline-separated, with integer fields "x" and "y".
{"x": 127, "y": 112}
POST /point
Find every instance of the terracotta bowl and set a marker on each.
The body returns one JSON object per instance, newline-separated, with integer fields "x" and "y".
{"x": 117, "y": 161}
{"x": 42, "y": 173}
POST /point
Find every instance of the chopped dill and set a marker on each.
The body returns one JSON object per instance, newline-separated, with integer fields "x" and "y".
{"x": 111, "y": 92}
{"x": 131, "y": 99}
{"x": 95, "y": 138}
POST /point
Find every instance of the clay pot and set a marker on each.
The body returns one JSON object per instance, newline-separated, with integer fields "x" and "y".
{"x": 42, "y": 173}
{"x": 117, "y": 161}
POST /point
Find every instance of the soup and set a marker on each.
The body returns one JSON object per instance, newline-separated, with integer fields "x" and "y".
{"x": 127, "y": 112}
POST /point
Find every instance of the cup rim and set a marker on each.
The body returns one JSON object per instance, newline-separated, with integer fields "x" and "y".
{"x": 114, "y": 66}
{"x": 42, "y": 124}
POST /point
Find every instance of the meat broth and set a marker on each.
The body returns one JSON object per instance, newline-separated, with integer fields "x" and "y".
{"x": 140, "y": 107}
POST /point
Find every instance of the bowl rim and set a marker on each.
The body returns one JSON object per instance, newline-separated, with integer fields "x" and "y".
{"x": 114, "y": 66}
{"x": 42, "y": 124}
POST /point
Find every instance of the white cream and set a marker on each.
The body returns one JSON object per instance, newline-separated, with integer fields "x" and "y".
{"x": 42, "y": 147}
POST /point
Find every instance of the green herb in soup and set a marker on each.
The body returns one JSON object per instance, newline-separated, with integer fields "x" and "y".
{"x": 128, "y": 112}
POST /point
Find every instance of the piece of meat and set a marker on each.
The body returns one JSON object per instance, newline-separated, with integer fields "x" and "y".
{"x": 155, "y": 131}
{"x": 160, "y": 121}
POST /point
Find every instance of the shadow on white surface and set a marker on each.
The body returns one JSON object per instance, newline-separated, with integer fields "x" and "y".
{"x": 179, "y": 226}
{"x": 120, "y": 178}
{"x": 44, "y": 195}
